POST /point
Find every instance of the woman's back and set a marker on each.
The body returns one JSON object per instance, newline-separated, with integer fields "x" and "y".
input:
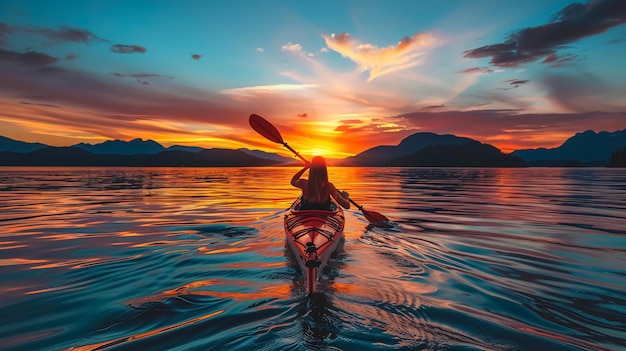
{"x": 317, "y": 190}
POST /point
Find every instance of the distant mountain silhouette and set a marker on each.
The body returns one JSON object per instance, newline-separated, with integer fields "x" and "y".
{"x": 420, "y": 149}
{"x": 121, "y": 147}
{"x": 139, "y": 146}
{"x": 194, "y": 149}
{"x": 267, "y": 155}
{"x": 587, "y": 148}
{"x": 7, "y": 144}
{"x": 470, "y": 154}
{"x": 76, "y": 156}
{"x": 381, "y": 156}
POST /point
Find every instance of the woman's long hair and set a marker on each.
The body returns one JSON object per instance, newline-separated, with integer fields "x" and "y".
{"x": 318, "y": 178}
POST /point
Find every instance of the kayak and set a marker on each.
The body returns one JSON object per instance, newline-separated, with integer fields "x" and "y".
{"x": 312, "y": 236}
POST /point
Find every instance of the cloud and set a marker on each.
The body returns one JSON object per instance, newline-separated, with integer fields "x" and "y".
{"x": 303, "y": 115}
{"x": 76, "y": 35}
{"x": 579, "y": 93}
{"x": 39, "y": 104}
{"x": 28, "y": 58}
{"x": 264, "y": 90}
{"x": 387, "y": 132}
{"x": 140, "y": 75}
{"x": 61, "y": 34}
{"x": 196, "y": 57}
{"x": 86, "y": 104}
{"x": 517, "y": 81}
{"x": 291, "y": 47}
{"x": 574, "y": 22}
{"x": 351, "y": 121}
{"x": 409, "y": 52}
{"x": 71, "y": 57}
{"x": 560, "y": 61}
{"x": 477, "y": 70}
{"x": 432, "y": 107}
{"x": 296, "y": 48}
{"x": 260, "y": 50}
{"x": 127, "y": 49}
{"x": 5, "y": 30}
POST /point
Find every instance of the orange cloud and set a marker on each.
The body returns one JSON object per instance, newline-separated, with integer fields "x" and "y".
{"x": 409, "y": 52}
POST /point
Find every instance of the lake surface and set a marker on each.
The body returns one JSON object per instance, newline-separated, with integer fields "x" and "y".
{"x": 195, "y": 259}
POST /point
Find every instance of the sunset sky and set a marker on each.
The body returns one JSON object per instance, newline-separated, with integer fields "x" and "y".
{"x": 335, "y": 77}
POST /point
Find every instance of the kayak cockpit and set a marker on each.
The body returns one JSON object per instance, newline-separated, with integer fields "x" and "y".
{"x": 312, "y": 236}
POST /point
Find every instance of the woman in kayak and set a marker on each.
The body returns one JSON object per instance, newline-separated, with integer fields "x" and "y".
{"x": 317, "y": 190}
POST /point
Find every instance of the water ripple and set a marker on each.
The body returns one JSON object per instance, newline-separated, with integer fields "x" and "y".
{"x": 195, "y": 259}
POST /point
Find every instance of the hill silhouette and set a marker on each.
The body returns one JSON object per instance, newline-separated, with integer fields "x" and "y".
{"x": 194, "y": 149}
{"x": 139, "y": 146}
{"x": 121, "y": 147}
{"x": 267, "y": 155}
{"x": 8, "y": 144}
{"x": 382, "y": 155}
{"x": 75, "y": 156}
{"x": 587, "y": 148}
{"x": 470, "y": 154}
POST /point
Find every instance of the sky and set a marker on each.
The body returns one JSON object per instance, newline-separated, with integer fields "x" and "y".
{"x": 335, "y": 77}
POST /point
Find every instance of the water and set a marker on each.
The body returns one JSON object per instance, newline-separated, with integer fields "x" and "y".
{"x": 195, "y": 259}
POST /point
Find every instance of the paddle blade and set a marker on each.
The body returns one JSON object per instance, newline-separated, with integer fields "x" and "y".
{"x": 374, "y": 217}
{"x": 371, "y": 216}
{"x": 265, "y": 128}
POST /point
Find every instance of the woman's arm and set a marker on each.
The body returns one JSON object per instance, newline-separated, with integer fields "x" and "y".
{"x": 296, "y": 177}
{"x": 342, "y": 198}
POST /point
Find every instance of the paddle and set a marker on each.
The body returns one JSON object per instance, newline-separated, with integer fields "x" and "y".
{"x": 266, "y": 129}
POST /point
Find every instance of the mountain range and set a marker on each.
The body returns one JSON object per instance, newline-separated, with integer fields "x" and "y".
{"x": 586, "y": 148}
{"x": 75, "y": 156}
{"x": 418, "y": 150}
{"x": 139, "y": 146}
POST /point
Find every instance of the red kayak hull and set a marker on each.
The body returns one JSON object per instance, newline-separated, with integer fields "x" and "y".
{"x": 312, "y": 236}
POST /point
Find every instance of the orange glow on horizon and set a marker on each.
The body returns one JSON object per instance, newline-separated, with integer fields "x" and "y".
{"x": 328, "y": 134}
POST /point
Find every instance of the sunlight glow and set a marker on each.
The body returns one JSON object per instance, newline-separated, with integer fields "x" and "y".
{"x": 265, "y": 89}
{"x": 320, "y": 152}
